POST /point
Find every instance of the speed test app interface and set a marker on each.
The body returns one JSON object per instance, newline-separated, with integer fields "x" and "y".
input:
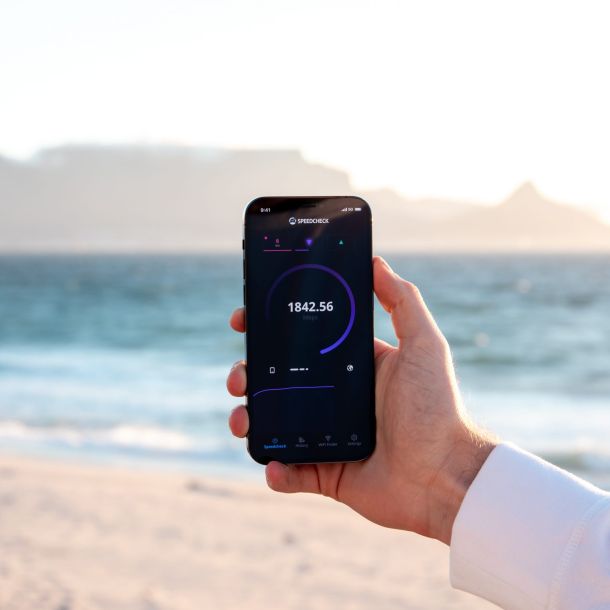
{"x": 309, "y": 322}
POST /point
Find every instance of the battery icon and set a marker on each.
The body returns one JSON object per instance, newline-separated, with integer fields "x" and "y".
{"x": 357, "y": 209}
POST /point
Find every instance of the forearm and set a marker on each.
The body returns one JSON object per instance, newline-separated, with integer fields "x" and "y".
{"x": 531, "y": 536}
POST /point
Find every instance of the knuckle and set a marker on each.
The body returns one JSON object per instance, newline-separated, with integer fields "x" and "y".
{"x": 409, "y": 287}
{"x": 431, "y": 341}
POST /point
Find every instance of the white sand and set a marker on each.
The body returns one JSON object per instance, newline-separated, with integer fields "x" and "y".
{"x": 83, "y": 537}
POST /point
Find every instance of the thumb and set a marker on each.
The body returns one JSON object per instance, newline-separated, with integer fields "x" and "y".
{"x": 402, "y": 300}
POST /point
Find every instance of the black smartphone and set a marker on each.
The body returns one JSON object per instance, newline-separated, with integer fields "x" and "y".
{"x": 308, "y": 292}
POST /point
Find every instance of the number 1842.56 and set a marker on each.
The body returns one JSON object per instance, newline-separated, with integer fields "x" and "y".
{"x": 310, "y": 306}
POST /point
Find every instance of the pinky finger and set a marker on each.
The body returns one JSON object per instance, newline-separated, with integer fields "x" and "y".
{"x": 292, "y": 479}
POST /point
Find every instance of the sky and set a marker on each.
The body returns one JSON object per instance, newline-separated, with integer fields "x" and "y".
{"x": 463, "y": 100}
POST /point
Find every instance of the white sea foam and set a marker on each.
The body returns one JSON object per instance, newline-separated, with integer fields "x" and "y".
{"x": 124, "y": 435}
{"x": 148, "y": 437}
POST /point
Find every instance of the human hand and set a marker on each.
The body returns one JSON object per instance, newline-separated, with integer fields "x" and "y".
{"x": 427, "y": 452}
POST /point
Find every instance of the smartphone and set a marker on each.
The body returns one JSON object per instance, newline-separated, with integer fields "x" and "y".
{"x": 308, "y": 293}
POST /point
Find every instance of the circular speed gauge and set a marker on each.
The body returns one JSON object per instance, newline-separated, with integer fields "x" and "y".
{"x": 312, "y": 305}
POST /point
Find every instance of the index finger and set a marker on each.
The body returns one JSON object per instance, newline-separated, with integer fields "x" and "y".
{"x": 237, "y": 321}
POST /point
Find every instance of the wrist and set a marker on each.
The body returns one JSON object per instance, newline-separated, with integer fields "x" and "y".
{"x": 468, "y": 452}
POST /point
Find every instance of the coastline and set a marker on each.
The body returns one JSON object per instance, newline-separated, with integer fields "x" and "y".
{"x": 98, "y": 537}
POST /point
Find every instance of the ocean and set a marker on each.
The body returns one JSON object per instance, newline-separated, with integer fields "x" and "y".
{"x": 122, "y": 359}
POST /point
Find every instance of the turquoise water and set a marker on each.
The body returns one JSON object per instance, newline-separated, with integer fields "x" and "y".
{"x": 123, "y": 358}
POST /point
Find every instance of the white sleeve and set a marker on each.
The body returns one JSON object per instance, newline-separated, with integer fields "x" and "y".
{"x": 531, "y": 536}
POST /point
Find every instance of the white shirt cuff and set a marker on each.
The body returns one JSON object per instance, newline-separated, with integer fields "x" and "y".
{"x": 512, "y": 535}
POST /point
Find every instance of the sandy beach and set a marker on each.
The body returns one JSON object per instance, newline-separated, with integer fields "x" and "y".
{"x": 78, "y": 537}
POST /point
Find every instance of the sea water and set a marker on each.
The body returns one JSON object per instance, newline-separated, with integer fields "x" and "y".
{"x": 124, "y": 358}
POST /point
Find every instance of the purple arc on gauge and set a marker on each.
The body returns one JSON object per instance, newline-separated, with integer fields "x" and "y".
{"x": 350, "y": 294}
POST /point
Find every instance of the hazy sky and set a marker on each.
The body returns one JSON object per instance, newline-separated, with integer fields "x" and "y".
{"x": 459, "y": 99}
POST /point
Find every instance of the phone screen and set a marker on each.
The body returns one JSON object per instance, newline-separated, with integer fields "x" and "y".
{"x": 308, "y": 292}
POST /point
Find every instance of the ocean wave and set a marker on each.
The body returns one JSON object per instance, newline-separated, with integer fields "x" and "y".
{"x": 584, "y": 459}
{"x": 580, "y": 460}
{"x": 134, "y": 436}
{"x": 82, "y": 359}
{"x": 89, "y": 380}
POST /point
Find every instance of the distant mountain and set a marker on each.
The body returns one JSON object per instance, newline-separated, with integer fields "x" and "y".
{"x": 422, "y": 209}
{"x": 177, "y": 198}
{"x": 524, "y": 221}
{"x": 400, "y": 222}
{"x": 145, "y": 197}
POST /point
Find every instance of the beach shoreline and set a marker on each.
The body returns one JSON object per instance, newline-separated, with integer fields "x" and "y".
{"x": 100, "y": 537}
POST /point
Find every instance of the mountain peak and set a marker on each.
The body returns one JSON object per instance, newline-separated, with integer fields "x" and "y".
{"x": 525, "y": 195}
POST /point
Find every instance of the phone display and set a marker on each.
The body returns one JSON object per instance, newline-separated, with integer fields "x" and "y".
{"x": 308, "y": 292}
